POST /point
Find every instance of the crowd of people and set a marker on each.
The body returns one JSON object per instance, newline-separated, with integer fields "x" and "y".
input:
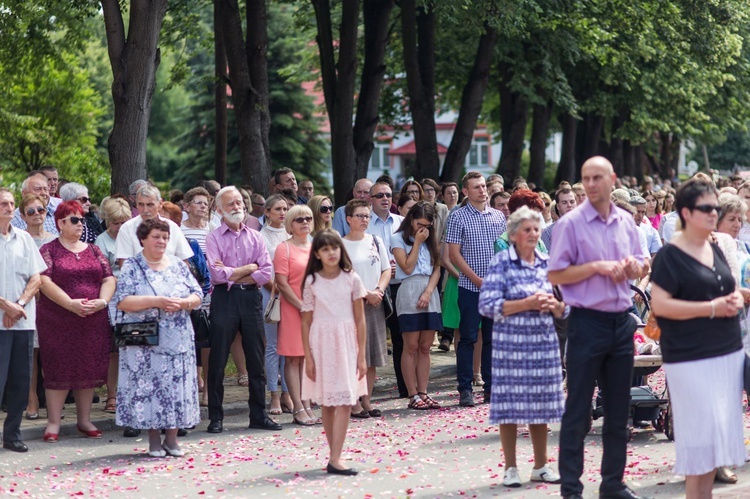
{"x": 527, "y": 287}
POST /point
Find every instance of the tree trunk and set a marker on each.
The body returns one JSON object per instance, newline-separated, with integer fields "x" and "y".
{"x": 257, "y": 61}
{"x": 220, "y": 100}
{"x": 134, "y": 62}
{"x": 638, "y": 162}
{"x": 538, "y": 144}
{"x": 418, "y": 37}
{"x": 513, "y": 115}
{"x": 377, "y": 15}
{"x": 628, "y": 158}
{"x": 616, "y": 151}
{"x": 471, "y": 104}
{"x": 338, "y": 88}
{"x": 594, "y": 127}
{"x": 566, "y": 170}
{"x": 246, "y": 99}
{"x": 665, "y": 159}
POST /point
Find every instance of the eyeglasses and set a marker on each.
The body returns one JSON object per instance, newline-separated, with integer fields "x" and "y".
{"x": 39, "y": 210}
{"x": 84, "y": 199}
{"x": 413, "y": 191}
{"x": 707, "y": 208}
{"x": 382, "y": 195}
{"x": 199, "y": 203}
{"x": 423, "y": 226}
{"x": 74, "y": 220}
{"x": 301, "y": 220}
{"x": 362, "y": 216}
{"x": 326, "y": 209}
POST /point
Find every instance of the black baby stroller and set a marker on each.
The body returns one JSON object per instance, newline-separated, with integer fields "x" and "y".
{"x": 646, "y": 404}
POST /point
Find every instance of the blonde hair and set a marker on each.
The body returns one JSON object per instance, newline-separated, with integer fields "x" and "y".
{"x": 114, "y": 209}
{"x": 295, "y": 211}
{"x": 315, "y": 203}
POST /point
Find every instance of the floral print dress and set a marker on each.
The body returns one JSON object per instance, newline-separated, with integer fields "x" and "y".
{"x": 157, "y": 386}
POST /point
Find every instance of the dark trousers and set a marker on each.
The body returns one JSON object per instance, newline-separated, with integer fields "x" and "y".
{"x": 231, "y": 311}
{"x": 600, "y": 347}
{"x": 468, "y": 306}
{"x": 16, "y": 348}
{"x": 398, "y": 343}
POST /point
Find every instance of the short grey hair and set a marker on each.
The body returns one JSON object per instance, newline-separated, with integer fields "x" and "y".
{"x": 72, "y": 190}
{"x": 620, "y": 194}
{"x": 220, "y": 195}
{"x": 148, "y": 191}
{"x": 521, "y": 215}
{"x": 136, "y": 186}
{"x": 637, "y": 201}
{"x": 731, "y": 203}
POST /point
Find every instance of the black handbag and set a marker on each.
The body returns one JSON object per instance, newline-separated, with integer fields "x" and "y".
{"x": 387, "y": 302}
{"x": 142, "y": 333}
{"x": 201, "y": 324}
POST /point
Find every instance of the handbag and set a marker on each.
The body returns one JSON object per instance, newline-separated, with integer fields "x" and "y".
{"x": 652, "y": 329}
{"x": 387, "y": 302}
{"x": 142, "y": 333}
{"x": 272, "y": 313}
{"x": 201, "y": 324}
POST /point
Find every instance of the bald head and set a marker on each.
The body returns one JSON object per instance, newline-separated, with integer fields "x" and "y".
{"x": 598, "y": 177}
{"x": 362, "y": 189}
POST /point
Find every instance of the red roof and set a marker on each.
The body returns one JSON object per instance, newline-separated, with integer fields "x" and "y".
{"x": 411, "y": 148}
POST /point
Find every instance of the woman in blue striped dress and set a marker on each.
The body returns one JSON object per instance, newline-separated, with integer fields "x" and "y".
{"x": 526, "y": 370}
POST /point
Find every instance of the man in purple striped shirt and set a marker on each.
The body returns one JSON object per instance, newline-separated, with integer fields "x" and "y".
{"x": 594, "y": 252}
{"x": 239, "y": 264}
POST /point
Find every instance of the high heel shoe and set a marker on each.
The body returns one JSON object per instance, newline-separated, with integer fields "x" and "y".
{"x": 95, "y": 433}
{"x": 477, "y": 381}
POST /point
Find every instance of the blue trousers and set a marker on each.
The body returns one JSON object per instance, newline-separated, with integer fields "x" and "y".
{"x": 468, "y": 305}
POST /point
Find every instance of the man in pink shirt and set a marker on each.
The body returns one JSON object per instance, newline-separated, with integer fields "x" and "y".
{"x": 594, "y": 252}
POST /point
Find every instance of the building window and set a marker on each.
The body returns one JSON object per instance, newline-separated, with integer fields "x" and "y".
{"x": 379, "y": 159}
{"x": 479, "y": 154}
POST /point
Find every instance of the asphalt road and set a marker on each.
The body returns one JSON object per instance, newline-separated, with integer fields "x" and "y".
{"x": 447, "y": 453}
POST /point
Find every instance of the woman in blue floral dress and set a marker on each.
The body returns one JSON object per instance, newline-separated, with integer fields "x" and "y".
{"x": 526, "y": 369}
{"x": 158, "y": 389}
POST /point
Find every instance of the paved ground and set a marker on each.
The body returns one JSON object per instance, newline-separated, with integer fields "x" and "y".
{"x": 446, "y": 453}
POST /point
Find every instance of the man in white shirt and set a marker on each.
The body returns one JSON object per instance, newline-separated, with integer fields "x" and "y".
{"x": 653, "y": 239}
{"x": 383, "y": 224}
{"x": 148, "y": 203}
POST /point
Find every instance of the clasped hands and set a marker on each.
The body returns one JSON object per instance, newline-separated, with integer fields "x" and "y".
{"x": 620, "y": 270}
{"x": 546, "y": 302}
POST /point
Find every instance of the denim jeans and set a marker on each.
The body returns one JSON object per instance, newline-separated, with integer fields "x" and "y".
{"x": 468, "y": 305}
{"x": 274, "y": 361}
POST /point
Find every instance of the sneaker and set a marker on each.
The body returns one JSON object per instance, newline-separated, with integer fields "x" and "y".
{"x": 466, "y": 399}
{"x": 511, "y": 478}
{"x": 545, "y": 474}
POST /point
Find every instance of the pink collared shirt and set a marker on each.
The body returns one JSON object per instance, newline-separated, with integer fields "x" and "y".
{"x": 582, "y": 236}
{"x": 236, "y": 249}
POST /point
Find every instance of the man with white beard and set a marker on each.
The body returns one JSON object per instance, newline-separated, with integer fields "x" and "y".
{"x": 239, "y": 264}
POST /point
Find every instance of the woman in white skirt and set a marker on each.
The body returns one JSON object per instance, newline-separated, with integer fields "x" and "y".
{"x": 414, "y": 247}
{"x": 695, "y": 299}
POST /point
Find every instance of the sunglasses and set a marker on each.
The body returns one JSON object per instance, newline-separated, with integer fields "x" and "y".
{"x": 707, "y": 208}
{"x": 382, "y": 195}
{"x": 326, "y": 209}
{"x": 84, "y": 200}
{"x": 74, "y": 220}
{"x": 39, "y": 210}
{"x": 301, "y": 220}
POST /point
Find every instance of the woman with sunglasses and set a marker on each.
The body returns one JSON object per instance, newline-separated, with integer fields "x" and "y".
{"x": 322, "y": 210}
{"x": 33, "y": 211}
{"x": 414, "y": 246}
{"x": 73, "y": 191}
{"x": 289, "y": 265}
{"x": 74, "y": 339}
{"x": 694, "y": 293}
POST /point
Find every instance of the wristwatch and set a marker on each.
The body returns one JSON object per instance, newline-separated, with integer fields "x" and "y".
{"x": 21, "y": 302}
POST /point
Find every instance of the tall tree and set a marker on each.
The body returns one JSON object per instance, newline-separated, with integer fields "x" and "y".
{"x": 134, "y": 57}
{"x": 220, "y": 100}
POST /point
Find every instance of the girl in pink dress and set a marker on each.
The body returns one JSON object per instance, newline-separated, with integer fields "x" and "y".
{"x": 333, "y": 337}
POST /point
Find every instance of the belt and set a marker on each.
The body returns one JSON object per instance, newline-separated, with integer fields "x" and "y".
{"x": 242, "y": 287}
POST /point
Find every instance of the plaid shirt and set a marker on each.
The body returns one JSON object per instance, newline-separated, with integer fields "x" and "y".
{"x": 476, "y": 232}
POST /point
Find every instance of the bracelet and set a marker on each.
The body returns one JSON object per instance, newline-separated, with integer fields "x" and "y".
{"x": 713, "y": 310}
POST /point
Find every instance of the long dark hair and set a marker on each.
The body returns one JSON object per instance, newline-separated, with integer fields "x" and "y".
{"x": 425, "y": 210}
{"x": 326, "y": 237}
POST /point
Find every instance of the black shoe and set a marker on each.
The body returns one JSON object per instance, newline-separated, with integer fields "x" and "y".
{"x": 15, "y": 446}
{"x": 625, "y": 493}
{"x": 266, "y": 424}
{"x": 466, "y": 399}
{"x": 215, "y": 426}
{"x": 573, "y": 496}
{"x": 181, "y": 432}
{"x": 96, "y": 399}
{"x": 445, "y": 345}
{"x": 335, "y": 471}
{"x": 130, "y": 432}
{"x": 486, "y": 398}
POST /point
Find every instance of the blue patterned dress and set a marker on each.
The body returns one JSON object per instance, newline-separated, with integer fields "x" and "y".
{"x": 526, "y": 370}
{"x": 157, "y": 387}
